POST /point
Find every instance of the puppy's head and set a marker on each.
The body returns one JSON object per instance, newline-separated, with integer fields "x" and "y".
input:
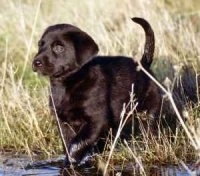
{"x": 63, "y": 49}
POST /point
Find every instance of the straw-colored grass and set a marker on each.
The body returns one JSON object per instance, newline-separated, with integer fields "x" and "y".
{"x": 25, "y": 122}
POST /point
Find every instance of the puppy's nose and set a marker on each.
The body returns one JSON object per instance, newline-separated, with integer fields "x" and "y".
{"x": 36, "y": 64}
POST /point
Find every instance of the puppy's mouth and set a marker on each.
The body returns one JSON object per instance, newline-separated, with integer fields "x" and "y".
{"x": 41, "y": 70}
{"x": 60, "y": 71}
{"x": 49, "y": 71}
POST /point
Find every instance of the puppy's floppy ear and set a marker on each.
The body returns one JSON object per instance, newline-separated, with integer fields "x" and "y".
{"x": 84, "y": 45}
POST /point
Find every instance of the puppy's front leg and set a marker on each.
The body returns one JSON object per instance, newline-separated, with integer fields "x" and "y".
{"x": 68, "y": 134}
{"x": 81, "y": 146}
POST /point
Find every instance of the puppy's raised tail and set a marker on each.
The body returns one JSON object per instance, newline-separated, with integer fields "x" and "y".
{"x": 147, "y": 57}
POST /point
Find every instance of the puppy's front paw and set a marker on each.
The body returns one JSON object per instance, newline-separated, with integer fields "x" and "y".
{"x": 80, "y": 153}
{"x": 75, "y": 153}
{"x": 87, "y": 159}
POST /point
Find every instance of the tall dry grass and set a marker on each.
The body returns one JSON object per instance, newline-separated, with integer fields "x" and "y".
{"x": 25, "y": 122}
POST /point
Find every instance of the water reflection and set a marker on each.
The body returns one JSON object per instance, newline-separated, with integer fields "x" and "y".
{"x": 20, "y": 167}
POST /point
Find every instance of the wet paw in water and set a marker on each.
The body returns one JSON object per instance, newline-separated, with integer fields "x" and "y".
{"x": 87, "y": 160}
{"x": 79, "y": 154}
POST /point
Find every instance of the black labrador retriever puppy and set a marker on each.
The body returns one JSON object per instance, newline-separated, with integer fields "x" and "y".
{"x": 88, "y": 91}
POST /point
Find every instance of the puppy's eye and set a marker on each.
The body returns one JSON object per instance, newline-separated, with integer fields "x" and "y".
{"x": 58, "y": 48}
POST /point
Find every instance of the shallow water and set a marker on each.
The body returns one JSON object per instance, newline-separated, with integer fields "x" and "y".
{"x": 10, "y": 166}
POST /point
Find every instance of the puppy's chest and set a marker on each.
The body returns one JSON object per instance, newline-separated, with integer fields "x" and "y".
{"x": 57, "y": 94}
{"x": 67, "y": 103}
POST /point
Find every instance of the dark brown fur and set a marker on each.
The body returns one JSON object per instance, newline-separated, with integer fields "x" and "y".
{"x": 89, "y": 90}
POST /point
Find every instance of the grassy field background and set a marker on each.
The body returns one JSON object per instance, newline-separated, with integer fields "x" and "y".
{"x": 26, "y": 125}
